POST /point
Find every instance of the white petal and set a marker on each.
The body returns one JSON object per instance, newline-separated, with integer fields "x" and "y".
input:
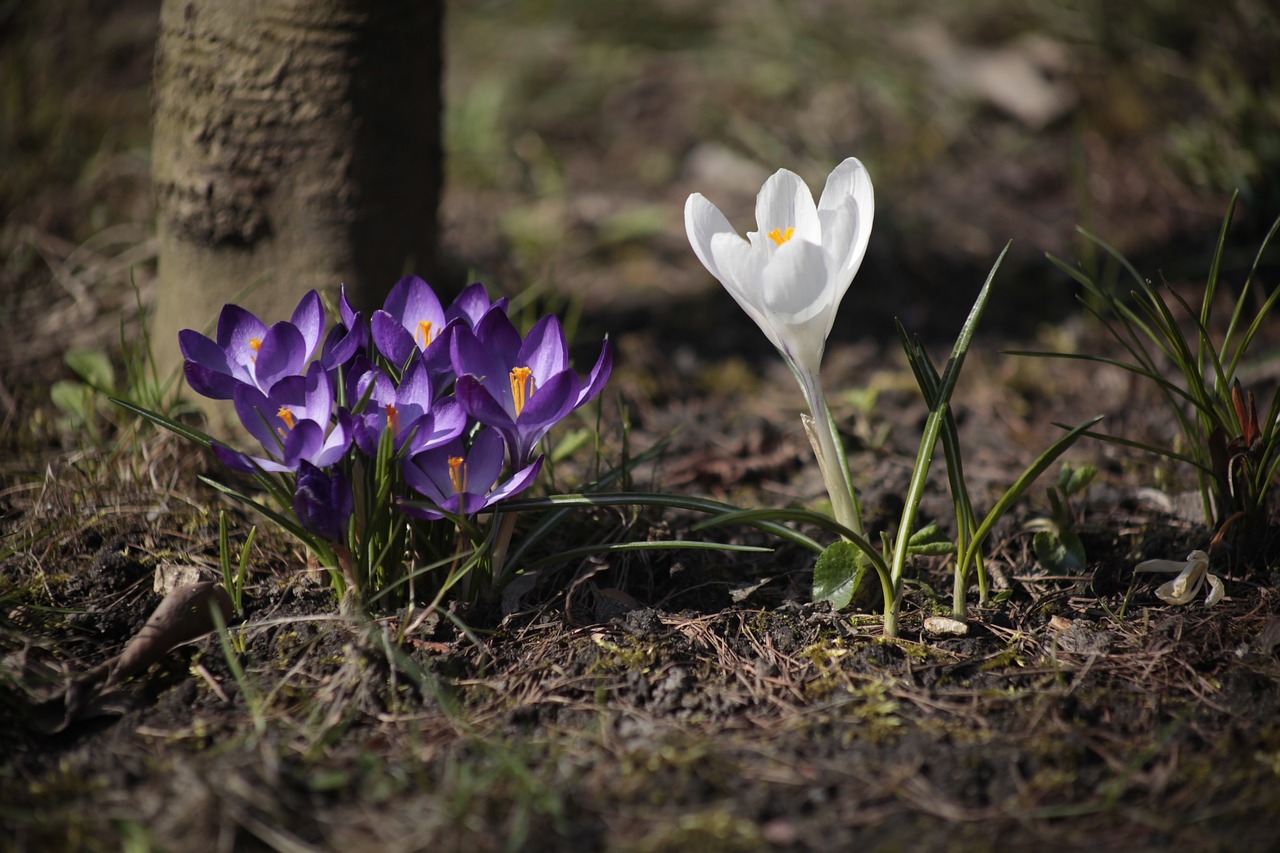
{"x": 798, "y": 300}
{"x": 1216, "y": 591}
{"x": 741, "y": 272}
{"x": 1161, "y": 566}
{"x": 1176, "y": 592}
{"x": 851, "y": 180}
{"x": 785, "y": 202}
{"x": 702, "y": 222}
{"x": 1198, "y": 557}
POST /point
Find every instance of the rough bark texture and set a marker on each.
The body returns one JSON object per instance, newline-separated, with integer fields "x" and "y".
{"x": 296, "y": 146}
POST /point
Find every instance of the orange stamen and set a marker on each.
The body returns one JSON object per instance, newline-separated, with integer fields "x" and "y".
{"x": 521, "y": 387}
{"x": 424, "y": 330}
{"x": 255, "y": 344}
{"x": 458, "y": 474}
{"x": 779, "y": 236}
{"x": 286, "y": 415}
{"x": 393, "y": 418}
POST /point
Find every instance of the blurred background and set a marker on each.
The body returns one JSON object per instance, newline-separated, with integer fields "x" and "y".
{"x": 574, "y": 131}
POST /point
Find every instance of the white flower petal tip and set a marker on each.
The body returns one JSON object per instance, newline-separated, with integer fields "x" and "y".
{"x": 791, "y": 273}
{"x": 1192, "y": 575}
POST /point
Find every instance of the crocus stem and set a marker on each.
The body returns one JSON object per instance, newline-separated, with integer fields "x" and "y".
{"x": 506, "y": 526}
{"x": 835, "y": 473}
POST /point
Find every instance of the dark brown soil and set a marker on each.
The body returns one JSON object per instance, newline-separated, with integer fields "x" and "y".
{"x": 651, "y": 702}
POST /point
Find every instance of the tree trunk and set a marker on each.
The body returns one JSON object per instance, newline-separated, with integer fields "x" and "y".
{"x": 296, "y": 146}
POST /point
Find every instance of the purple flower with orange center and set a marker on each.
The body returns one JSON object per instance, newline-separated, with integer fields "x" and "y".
{"x": 294, "y": 423}
{"x": 457, "y": 481}
{"x": 410, "y": 321}
{"x": 248, "y": 352}
{"x": 521, "y": 387}
{"x": 415, "y": 420}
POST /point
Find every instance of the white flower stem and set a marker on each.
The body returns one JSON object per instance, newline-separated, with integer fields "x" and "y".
{"x": 835, "y": 472}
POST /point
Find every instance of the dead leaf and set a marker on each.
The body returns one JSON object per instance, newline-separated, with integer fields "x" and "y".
{"x": 184, "y": 615}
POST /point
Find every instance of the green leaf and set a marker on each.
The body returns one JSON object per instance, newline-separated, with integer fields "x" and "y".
{"x": 570, "y": 444}
{"x": 929, "y": 541}
{"x": 1073, "y": 481}
{"x": 93, "y": 367}
{"x": 74, "y": 399}
{"x": 1029, "y": 476}
{"x": 838, "y": 574}
{"x": 1063, "y": 552}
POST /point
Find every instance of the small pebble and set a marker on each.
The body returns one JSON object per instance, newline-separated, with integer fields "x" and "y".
{"x": 945, "y": 626}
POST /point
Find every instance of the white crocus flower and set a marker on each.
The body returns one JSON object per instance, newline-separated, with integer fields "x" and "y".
{"x": 1191, "y": 576}
{"x": 789, "y": 276}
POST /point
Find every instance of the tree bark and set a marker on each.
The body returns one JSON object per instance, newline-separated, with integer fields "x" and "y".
{"x": 296, "y": 146}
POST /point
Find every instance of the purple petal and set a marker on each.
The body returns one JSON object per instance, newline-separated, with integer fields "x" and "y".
{"x": 214, "y": 384}
{"x": 342, "y": 343}
{"x": 283, "y": 353}
{"x": 334, "y": 447}
{"x": 258, "y": 417}
{"x": 421, "y": 305}
{"x": 518, "y": 482}
{"x": 318, "y": 403}
{"x": 234, "y": 459}
{"x": 477, "y": 402}
{"x": 198, "y": 348}
{"x": 308, "y": 318}
{"x": 391, "y": 338}
{"x": 303, "y": 442}
{"x": 350, "y": 318}
{"x": 471, "y": 357}
{"x": 599, "y": 375}
{"x": 471, "y": 305}
{"x": 552, "y": 401}
{"x": 236, "y": 327}
{"x": 544, "y": 349}
{"x": 485, "y": 460}
{"x": 323, "y": 503}
{"x": 384, "y": 390}
{"x": 499, "y": 334}
{"x": 443, "y": 424}
{"x": 415, "y": 387}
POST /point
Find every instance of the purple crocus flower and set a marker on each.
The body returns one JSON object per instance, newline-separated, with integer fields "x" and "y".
{"x": 521, "y": 387}
{"x": 461, "y": 482}
{"x": 410, "y": 321}
{"x": 293, "y": 422}
{"x": 323, "y": 502}
{"x": 408, "y": 411}
{"x": 248, "y": 352}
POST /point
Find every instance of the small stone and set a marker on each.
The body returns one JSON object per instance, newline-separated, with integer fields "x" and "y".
{"x": 945, "y": 626}
{"x": 170, "y": 576}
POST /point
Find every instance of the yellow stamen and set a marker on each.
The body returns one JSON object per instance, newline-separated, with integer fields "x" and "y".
{"x": 424, "y": 331}
{"x": 255, "y": 344}
{"x": 286, "y": 415}
{"x": 521, "y": 387}
{"x": 393, "y": 418}
{"x": 458, "y": 474}
{"x": 779, "y": 236}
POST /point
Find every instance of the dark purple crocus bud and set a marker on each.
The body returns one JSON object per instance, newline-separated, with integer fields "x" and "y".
{"x": 323, "y": 502}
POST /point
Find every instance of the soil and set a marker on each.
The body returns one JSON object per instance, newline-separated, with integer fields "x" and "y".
{"x": 653, "y": 701}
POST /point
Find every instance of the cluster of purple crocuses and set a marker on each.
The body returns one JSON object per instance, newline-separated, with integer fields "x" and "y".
{"x": 459, "y": 393}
